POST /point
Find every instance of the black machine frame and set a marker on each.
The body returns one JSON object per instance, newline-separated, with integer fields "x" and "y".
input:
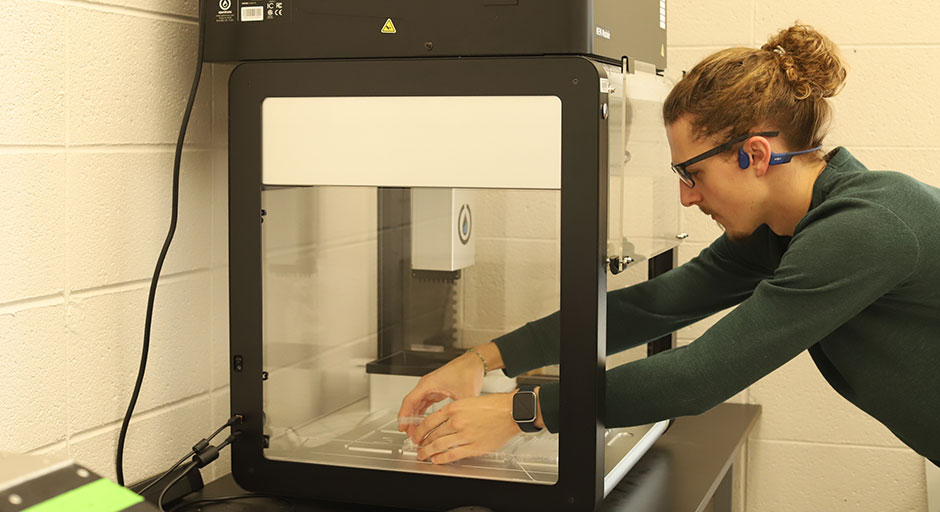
{"x": 606, "y": 30}
{"x": 584, "y": 203}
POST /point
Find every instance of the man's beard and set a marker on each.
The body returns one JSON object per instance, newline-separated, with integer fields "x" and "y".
{"x": 733, "y": 236}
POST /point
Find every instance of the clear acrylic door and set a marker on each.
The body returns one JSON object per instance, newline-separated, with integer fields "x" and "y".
{"x": 360, "y": 299}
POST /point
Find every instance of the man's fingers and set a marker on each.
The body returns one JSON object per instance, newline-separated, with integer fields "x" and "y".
{"x": 444, "y": 429}
{"x": 408, "y": 406}
{"x": 457, "y": 453}
{"x": 430, "y": 423}
{"x": 441, "y": 445}
{"x": 416, "y": 403}
{"x": 413, "y": 409}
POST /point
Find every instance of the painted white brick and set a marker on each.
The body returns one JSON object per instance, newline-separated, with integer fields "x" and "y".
{"x": 153, "y": 443}
{"x": 473, "y": 337}
{"x": 179, "y": 7}
{"x": 32, "y": 225}
{"x": 55, "y": 450}
{"x": 689, "y": 250}
{"x": 723, "y": 22}
{"x": 291, "y": 223}
{"x": 512, "y": 282}
{"x": 347, "y": 289}
{"x": 221, "y": 412}
{"x": 684, "y": 59}
{"x": 33, "y": 73}
{"x": 635, "y": 273}
{"x": 104, "y": 350}
{"x": 889, "y": 98}
{"x": 130, "y": 78}
{"x": 863, "y": 114}
{"x": 308, "y": 389}
{"x": 34, "y": 390}
{"x": 518, "y": 214}
{"x": 799, "y": 477}
{"x": 700, "y": 227}
{"x": 334, "y": 304}
{"x": 921, "y": 164}
{"x": 626, "y": 356}
{"x": 120, "y": 214}
{"x": 220, "y": 328}
{"x": 343, "y": 215}
{"x": 697, "y": 329}
{"x": 869, "y": 22}
{"x": 798, "y": 405}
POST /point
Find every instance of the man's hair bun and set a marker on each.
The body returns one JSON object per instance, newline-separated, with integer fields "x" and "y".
{"x": 809, "y": 60}
{"x": 783, "y": 85}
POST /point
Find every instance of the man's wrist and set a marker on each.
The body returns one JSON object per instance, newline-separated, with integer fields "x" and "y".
{"x": 474, "y": 353}
{"x": 490, "y": 352}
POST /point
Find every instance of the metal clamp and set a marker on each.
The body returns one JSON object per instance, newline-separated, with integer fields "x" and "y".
{"x": 618, "y": 264}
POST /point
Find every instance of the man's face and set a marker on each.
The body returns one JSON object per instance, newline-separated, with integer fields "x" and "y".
{"x": 724, "y": 191}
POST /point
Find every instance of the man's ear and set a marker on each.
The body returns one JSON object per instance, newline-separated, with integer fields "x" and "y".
{"x": 758, "y": 149}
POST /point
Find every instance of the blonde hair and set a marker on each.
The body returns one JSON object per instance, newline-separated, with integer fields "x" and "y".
{"x": 784, "y": 85}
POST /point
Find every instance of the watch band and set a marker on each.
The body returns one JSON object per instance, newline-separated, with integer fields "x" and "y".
{"x": 529, "y": 426}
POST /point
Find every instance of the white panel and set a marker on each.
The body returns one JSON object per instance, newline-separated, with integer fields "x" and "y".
{"x": 442, "y": 229}
{"x": 440, "y": 141}
{"x": 612, "y": 478}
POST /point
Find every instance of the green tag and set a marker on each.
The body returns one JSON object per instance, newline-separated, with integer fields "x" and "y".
{"x": 99, "y": 496}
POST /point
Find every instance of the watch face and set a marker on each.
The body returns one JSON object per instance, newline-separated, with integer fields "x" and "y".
{"x": 523, "y": 406}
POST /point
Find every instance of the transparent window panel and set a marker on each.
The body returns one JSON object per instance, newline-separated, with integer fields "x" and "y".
{"x": 643, "y": 221}
{"x": 366, "y": 289}
{"x": 643, "y": 213}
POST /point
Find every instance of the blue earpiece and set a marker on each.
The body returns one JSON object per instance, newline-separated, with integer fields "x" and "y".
{"x": 744, "y": 161}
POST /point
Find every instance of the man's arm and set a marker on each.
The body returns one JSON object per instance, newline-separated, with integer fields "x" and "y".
{"x": 721, "y": 276}
{"x": 828, "y": 276}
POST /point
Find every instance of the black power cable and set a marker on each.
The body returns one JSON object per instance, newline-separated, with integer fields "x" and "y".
{"x": 179, "y": 477}
{"x": 119, "y": 462}
{"x": 208, "y": 454}
{"x": 202, "y": 445}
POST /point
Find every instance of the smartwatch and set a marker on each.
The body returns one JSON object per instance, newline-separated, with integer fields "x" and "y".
{"x": 525, "y": 406}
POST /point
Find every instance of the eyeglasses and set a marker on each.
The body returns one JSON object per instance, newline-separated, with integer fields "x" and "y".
{"x": 681, "y": 168}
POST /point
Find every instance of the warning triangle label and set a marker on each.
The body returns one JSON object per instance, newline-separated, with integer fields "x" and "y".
{"x": 389, "y": 27}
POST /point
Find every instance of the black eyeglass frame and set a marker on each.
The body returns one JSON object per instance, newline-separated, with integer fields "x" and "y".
{"x": 683, "y": 173}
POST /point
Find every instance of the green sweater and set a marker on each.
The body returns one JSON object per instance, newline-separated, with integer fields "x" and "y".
{"x": 858, "y": 285}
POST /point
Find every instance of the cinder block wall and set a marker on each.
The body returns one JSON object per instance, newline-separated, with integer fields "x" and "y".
{"x": 91, "y": 97}
{"x": 91, "y": 94}
{"x": 811, "y": 449}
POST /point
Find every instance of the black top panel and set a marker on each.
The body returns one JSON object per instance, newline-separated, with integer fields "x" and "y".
{"x": 244, "y": 30}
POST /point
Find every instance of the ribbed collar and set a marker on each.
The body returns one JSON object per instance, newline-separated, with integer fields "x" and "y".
{"x": 839, "y": 160}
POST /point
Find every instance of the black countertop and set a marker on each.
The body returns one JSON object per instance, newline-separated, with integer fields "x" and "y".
{"x": 679, "y": 473}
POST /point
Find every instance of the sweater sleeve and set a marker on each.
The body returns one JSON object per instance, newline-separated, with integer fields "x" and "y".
{"x": 722, "y": 275}
{"x": 844, "y": 256}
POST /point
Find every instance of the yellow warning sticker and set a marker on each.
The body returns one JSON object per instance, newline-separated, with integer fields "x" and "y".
{"x": 662, "y": 50}
{"x": 389, "y": 27}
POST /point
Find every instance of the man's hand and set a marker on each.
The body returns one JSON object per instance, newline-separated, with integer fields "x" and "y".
{"x": 466, "y": 428}
{"x": 460, "y": 378}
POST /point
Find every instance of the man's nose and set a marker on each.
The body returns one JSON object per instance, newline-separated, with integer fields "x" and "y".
{"x": 688, "y": 195}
